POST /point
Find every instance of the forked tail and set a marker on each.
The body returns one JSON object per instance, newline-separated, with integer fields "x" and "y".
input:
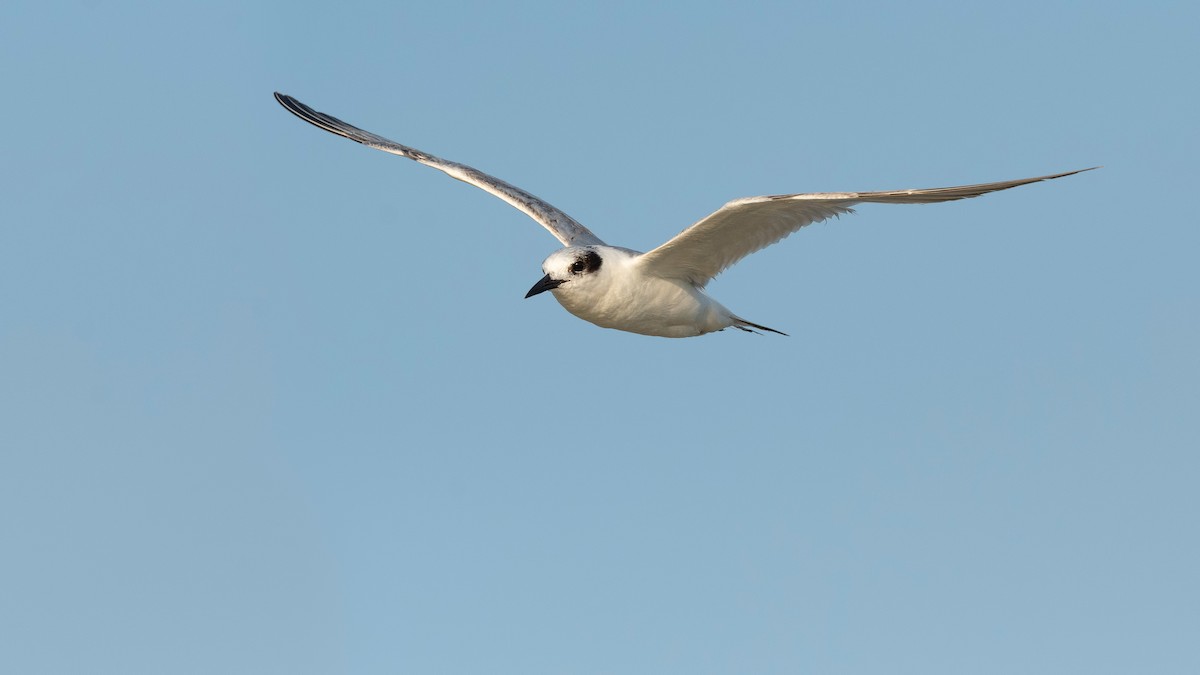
{"x": 742, "y": 324}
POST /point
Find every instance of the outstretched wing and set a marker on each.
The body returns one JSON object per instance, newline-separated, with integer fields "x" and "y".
{"x": 744, "y": 226}
{"x": 563, "y": 227}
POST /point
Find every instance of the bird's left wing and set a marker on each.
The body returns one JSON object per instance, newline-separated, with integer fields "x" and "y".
{"x": 744, "y": 226}
{"x": 564, "y": 228}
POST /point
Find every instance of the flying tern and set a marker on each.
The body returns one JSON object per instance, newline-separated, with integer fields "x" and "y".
{"x": 660, "y": 292}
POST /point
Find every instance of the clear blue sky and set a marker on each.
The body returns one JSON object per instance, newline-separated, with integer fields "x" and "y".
{"x": 272, "y": 402}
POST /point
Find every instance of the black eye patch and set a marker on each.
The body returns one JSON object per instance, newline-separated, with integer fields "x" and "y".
{"x": 589, "y": 262}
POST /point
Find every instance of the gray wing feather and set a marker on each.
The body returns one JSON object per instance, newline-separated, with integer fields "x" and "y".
{"x": 744, "y": 226}
{"x": 564, "y": 228}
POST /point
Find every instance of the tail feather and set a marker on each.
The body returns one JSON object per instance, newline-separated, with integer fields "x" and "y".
{"x": 742, "y": 324}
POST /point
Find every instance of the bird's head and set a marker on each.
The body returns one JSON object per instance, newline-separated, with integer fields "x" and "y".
{"x": 573, "y": 271}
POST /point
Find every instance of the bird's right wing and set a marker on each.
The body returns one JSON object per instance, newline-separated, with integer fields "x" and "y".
{"x": 744, "y": 226}
{"x": 564, "y": 228}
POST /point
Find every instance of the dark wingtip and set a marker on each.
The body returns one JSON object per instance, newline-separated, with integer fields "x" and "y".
{"x": 302, "y": 111}
{"x": 289, "y": 104}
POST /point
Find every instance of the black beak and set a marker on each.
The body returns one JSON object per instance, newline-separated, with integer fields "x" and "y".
{"x": 544, "y": 284}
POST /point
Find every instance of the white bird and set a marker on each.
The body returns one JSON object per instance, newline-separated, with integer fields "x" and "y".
{"x": 660, "y": 292}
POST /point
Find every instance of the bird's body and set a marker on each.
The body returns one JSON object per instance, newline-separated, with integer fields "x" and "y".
{"x": 660, "y": 292}
{"x": 620, "y": 295}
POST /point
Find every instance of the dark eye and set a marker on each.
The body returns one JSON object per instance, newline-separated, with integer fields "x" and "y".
{"x": 577, "y": 267}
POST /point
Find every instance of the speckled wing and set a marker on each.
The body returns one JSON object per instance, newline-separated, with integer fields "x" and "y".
{"x": 563, "y": 227}
{"x": 744, "y": 226}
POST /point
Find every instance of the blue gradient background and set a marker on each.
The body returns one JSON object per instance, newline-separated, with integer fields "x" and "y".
{"x": 271, "y": 402}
